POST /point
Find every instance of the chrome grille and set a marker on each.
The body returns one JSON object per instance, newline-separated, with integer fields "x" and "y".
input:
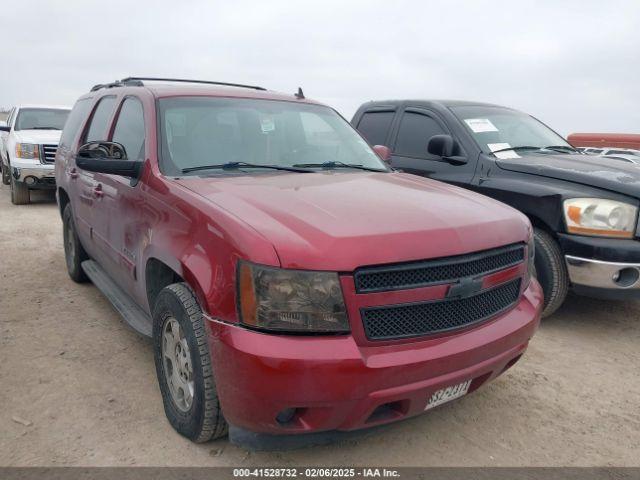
{"x": 48, "y": 153}
{"x": 442, "y": 270}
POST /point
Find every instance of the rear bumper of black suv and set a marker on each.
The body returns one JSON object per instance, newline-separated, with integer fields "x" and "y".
{"x": 602, "y": 267}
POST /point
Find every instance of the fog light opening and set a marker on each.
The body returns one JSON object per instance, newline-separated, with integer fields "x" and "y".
{"x": 286, "y": 416}
{"x": 626, "y": 277}
{"x": 30, "y": 180}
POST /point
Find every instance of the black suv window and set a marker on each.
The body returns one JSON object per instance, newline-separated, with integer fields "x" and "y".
{"x": 374, "y": 126}
{"x": 129, "y": 130}
{"x": 414, "y": 133}
{"x": 74, "y": 120}
{"x": 100, "y": 120}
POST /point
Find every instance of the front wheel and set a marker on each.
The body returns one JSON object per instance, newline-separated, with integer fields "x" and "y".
{"x": 6, "y": 179}
{"x": 19, "y": 192}
{"x": 551, "y": 271}
{"x": 183, "y": 365}
{"x": 74, "y": 253}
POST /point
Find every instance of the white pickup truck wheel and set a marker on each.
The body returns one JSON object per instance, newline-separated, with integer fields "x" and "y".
{"x": 6, "y": 179}
{"x": 19, "y": 192}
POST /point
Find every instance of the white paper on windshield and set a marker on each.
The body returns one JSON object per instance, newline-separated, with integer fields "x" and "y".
{"x": 479, "y": 125}
{"x": 505, "y": 154}
{"x": 267, "y": 124}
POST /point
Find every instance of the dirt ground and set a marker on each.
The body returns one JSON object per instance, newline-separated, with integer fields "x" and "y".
{"x": 78, "y": 387}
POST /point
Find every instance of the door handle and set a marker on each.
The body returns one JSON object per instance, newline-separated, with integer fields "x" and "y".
{"x": 97, "y": 190}
{"x": 73, "y": 173}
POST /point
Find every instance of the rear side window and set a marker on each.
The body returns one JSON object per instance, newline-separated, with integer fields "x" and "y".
{"x": 129, "y": 130}
{"x": 414, "y": 133}
{"x": 100, "y": 120}
{"x": 374, "y": 126}
{"x": 74, "y": 121}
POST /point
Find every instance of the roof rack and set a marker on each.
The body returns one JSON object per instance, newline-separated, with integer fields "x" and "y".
{"x": 127, "y": 82}
{"x": 138, "y": 82}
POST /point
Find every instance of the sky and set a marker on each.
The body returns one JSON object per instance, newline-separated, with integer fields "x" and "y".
{"x": 573, "y": 64}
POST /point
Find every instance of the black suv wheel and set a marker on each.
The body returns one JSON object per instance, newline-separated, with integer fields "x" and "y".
{"x": 551, "y": 271}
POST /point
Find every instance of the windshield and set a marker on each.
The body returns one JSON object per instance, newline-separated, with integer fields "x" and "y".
{"x": 205, "y": 131}
{"x": 41, "y": 119}
{"x": 498, "y": 128}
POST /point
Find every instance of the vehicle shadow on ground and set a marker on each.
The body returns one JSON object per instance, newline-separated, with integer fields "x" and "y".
{"x": 37, "y": 197}
{"x": 595, "y": 313}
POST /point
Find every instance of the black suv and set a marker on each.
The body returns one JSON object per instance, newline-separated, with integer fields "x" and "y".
{"x": 584, "y": 208}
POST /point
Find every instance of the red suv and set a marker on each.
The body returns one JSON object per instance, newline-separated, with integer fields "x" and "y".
{"x": 291, "y": 281}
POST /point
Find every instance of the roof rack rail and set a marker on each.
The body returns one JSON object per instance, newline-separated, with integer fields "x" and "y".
{"x": 127, "y": 82}
{"x": 183, "y": 80}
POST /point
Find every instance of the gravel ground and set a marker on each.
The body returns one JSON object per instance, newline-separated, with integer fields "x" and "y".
{"x": 78, "y": 387}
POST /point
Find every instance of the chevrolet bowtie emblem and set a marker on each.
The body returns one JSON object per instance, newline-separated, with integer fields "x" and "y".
{"x": 466, "y": 287}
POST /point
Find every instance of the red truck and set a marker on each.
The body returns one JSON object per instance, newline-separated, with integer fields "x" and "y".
{"x": 293, "y": 284}
{"x": 620, "y": 140}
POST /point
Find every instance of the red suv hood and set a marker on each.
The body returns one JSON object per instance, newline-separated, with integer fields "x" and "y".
{"x": 341, "y": 220}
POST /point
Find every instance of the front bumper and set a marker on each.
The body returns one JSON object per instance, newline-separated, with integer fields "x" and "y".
{"x": 337, "y": 384}
{"x": 35, "y": 175}
{"x": 603, "y": 267}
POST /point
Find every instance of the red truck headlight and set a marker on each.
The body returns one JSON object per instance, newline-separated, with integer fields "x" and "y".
{"x": 291, "y": 300}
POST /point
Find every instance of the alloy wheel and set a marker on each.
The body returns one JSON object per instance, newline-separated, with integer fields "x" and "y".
{"x": 178, "y": 369}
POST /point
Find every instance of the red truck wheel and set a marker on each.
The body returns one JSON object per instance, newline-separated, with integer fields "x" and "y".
{"x": 74, "y": 253}
{"x": 183, "y": 366}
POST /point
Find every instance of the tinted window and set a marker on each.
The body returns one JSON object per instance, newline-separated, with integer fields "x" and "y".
{"x": 129, "y": 129}
{"x": 100, "y": 120}
{"x": 374, "y": 126}
{"x": 414, "y": 133}
{"x": 212, "y": 131}
{"x": 75, "y": 119}
{"x": 41, "y": 118}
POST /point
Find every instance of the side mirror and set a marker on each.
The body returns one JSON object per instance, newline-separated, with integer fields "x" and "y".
{"x": 447, "y": 147}
{"x": 383, "y": 152}
{"x": 107, "y": 157}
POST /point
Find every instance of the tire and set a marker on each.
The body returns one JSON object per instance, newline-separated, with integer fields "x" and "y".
{"x": 19, "y": 192}
{"x": 177, "y": 311}
{"x": 74, "y": 253}
{"x": 551, "y": 271}
{"x": 6, "y": 179}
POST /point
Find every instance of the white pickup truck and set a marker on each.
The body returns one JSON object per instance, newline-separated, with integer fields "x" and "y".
{"x": 28, "y": 145}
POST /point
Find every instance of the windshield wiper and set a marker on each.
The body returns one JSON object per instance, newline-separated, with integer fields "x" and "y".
{"x": 521, "y": 147}
{"x": 43, "y": 128}
{"x": 335, "y": 164}
{"x": 238, "y": 165}
{"x": 555, "y": 148}
{"x": 561, "y": 148}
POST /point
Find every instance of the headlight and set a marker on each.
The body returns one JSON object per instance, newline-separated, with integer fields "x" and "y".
{"x": 600, "y": 217}
{"x": 291, "y": 300}
{"x": 27, "y": 150}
